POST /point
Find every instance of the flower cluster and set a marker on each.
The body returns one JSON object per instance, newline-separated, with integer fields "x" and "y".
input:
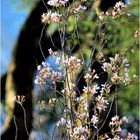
{"x": 90, "y": 75}
{"x": 87, "y": 89}
{"x": 94, "y": 120}
{"x": 55, "y": 17}
{"x": 79, "y": 9}
{"x": 51, "y": 17}
{"x": 77, "y": 129}
{"x": 104, "y": 15}
{"x": 59, "y": 61}
{"x": 61, "y": 122}
{"x": 80, "y": 133}
{"x": 132, "y": 137}
{"x": 137, "y": 33}
{"x": 113, "y": 65}
{"x": 46, "y": 73}
{"x": 52, "y": 53}
{"x": 105, "y": 89}
{"x": 115, "y": 126}
{"x": 19, "y": 99}
{"x": 101, "y": 102}
{"x": 118, "y": 9}
{"x": 117, "y": 65}
{"x": 94, "y": 89}
{"x": 76, "y": 120}
{"x": 70, "y": 63}
{"x": 57, "y": 3}
{"x": 73, "y": 63}
{"x": 82, "y": 113}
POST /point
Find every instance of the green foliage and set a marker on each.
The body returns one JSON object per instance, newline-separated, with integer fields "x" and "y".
{"x": 118, "y": 36}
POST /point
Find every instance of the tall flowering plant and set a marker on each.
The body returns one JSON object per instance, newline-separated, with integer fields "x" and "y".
{"x": 76, "y": 121}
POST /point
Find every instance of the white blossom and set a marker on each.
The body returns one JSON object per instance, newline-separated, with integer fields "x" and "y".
{"x": 101, "y": 102}
{"x": 61, "y": 122}
{"x": 72, "y": 63}
{"x": 132, "y": 137}
{"x": 51, "y": 17}
{"x": 124, "y": 119}
{"x": 94, "y": 89}
{"x": 80, "y": 130}
{"x": 115, "y": 118}
{"x": 94, "y": 119}
{"x": 79, "y": 9}
{"x": 57, "y": 3}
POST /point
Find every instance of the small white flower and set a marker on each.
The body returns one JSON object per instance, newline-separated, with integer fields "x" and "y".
{"x": 44, "y": 64}
{"x": 101, "y": 102}
{"x": 79, "y": 9}
{"x": 105, "y": 88}
{"x": 124, "y": 119}
{"x": 135, "y": 76}
{"x": 72, "y": 63}
{"x": 125, "y": 62}
{"x": 61, "y": 122}
{"x": 96, "y": 76}
{"x": 51, "y": 17}
{"x": 88, "y": 76}
{"x": 132, "y": 137}
{"x": 85, "y": 105}
{"x": 86, "y": 89}
{"x": 119, "y": 5}
{"x": 78, "y": 99}
{"x": 80, "y": 130}
{"x": 106, "y": 66}
{"x": 58, "y": 59}
{"x": 63, "y": 91}
{"x": 39, "y": 67}
{"x": 94, "y": 120}
{"x": 57, "y": 3}
{"x": 115, "y": 118}
{"x": 94, "y": 89}
{"x": 36, "y": 81}
{"x": 19, "y": 99}
{"x": 115, "y": 77}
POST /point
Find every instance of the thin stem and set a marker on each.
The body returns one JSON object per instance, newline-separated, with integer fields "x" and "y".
{"x": 40, "y": 39}
{"x": 16, "y": 127}
{"x": 45, "y": 4}
{"x": 54, "y": 102}
{"x": 25, "y": 121}
{"x": 64, "y": 35}
{"x": 107, "y": 113}
{"x": 97, "y": 133}
{"x": 116, "y": 104}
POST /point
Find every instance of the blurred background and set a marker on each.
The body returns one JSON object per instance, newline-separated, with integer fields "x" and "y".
{"x": 13, "y": 15}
